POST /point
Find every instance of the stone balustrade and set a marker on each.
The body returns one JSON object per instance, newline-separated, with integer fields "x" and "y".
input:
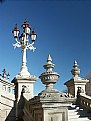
{"x": 6, "y": 86}
{"x": 85, "y": 101}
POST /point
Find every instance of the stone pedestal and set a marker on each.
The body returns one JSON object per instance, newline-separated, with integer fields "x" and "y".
{"x": 73, "y": 85}
{"x": 50, "y": 105}
{"x": 76, "y": 82}
{"x": 24, "y": 84}
{"x": 23, "y": 91}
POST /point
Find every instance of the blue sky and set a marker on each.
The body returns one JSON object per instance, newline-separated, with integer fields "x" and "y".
{"x": 64, "y": 31}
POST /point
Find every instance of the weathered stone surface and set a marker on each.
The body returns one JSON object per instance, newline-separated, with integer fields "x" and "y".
{"x": 50, "y": 104}
{"x": 76, "y": 81}
{"x": 7, "y": 99}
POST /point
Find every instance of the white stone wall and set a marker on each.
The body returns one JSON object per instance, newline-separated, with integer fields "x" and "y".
{"x": 7, "y": 98}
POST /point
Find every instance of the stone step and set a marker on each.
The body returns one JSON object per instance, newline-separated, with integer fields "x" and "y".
{"x": 75, "y": 112}
{"x": 73, "y": 116}
{"x": 79, "y": 119}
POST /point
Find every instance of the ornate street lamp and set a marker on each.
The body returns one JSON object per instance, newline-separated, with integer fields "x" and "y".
{"x": 23, "y": 42}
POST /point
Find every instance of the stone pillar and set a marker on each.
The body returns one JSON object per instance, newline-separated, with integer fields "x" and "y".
{"x": 74, "y": 83}
{"x": 11, "y": 90}
{"x": 50, "y": 104}
{"x": 24, "y": 85}
{"x": 24, "y": 88}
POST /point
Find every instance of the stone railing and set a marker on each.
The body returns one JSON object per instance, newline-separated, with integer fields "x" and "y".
{"x": 6, "y": 86}
{"x": 85, "y": 101}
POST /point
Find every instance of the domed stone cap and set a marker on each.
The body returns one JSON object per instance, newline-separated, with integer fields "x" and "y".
{"x": 75, "y": 71}
{"x": 49, "y": 77}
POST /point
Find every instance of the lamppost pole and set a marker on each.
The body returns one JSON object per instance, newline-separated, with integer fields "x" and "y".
{"x": 24, "y": 44}
{"x": 23, "y": 81}
{"x": 24, "y": 57}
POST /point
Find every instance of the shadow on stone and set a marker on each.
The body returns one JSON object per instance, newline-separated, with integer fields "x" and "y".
{"x": 12, "y": 115}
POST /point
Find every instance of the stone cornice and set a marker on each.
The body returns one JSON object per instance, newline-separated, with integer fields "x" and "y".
{"x": 52, "y": 96}
{"x": 76, "y": 80}
{"x": 19, "y": 78}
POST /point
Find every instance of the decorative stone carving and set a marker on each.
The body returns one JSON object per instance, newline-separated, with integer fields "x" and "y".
{"x": 25, "y": 89}
{"x": 49, "y": 77}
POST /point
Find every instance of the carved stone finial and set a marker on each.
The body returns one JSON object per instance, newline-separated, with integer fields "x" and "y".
{"x": 75, "y": 64}
{"x": 49, "y": 77}
{"x": 75, "y": 71}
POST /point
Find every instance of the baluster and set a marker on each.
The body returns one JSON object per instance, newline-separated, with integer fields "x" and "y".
{"x": 6, "y": 88}
{"x": 0, "y": 86}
